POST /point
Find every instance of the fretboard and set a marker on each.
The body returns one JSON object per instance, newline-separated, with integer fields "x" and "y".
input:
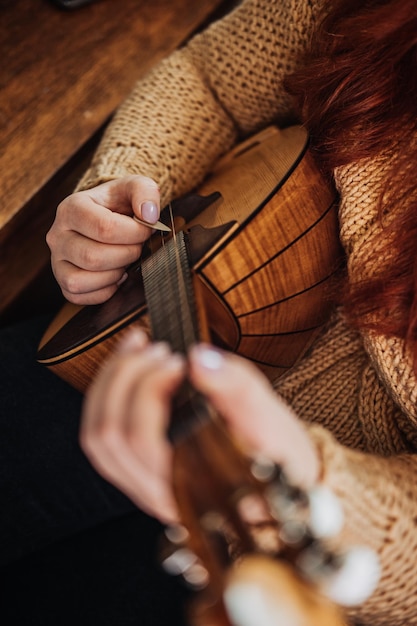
{"x": 173, "y": 316}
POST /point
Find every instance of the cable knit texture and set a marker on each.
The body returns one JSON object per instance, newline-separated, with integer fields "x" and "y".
{"x": 357, "y": 394}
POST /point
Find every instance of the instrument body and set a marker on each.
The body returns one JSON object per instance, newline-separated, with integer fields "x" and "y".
{"x": 265, "y": 256}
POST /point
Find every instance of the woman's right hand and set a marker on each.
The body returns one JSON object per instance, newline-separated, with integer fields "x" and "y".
{"x": 127, "y": 408}
{"x": 94, "y": 238}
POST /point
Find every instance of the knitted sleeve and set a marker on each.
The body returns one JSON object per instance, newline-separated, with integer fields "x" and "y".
{"x": 379, "y": 496}
{"x": 366, "y": 443}
{"x": 194, "y": 105}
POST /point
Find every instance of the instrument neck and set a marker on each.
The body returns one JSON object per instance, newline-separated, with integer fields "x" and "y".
{"x": 174, "y": 318}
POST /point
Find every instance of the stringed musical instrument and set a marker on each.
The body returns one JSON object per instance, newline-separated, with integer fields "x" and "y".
{"x": 263, "y": 241}
{"x": 249, "y": 269}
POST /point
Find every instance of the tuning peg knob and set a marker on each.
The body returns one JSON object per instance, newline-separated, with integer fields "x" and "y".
{"x": 326, "y": 516}
{"x": 179, "y": 561}
{"x": 355, "y": 579}
{"x": 183, "y": 562}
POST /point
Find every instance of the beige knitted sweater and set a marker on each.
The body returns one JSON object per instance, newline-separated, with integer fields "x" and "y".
{"x": 359, "y": 391}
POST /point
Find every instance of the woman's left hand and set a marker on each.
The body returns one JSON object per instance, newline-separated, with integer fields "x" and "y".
{"x": 127, "y": 410}
{"x": 254, "y": 413}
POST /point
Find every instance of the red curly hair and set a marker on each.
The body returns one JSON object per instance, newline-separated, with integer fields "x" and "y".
{"x": 359, "y": 79}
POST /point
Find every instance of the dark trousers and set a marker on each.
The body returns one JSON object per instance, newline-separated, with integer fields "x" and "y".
{"x": 73, "y": 549}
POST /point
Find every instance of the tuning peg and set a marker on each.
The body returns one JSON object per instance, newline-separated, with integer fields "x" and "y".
{"x": 178, "y": 560}
{"x": 326, "y": 516}
{"x": 348, "y": 578}
{"x": 286, "y": 500}
{"x": 197, "y": 576}
{"x": 176, "y": 534}
{"x": 263, "y": 469}
{"x": 294, "y": 533}
{"x": 183, "y": 562}
{"x": 355, "y": 579}
{"x": 316, "y": 562}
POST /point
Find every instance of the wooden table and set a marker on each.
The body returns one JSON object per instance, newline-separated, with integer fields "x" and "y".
{"x": 63, "y": 74}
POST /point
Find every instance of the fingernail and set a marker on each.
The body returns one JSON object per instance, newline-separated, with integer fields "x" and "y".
{"x": 149, "y": 211}
{"x": 133, "y": 340}
{"x": 121, "y": 279}
{"x": 174, "y": 362}
{"x": 207, "y": 357}
{"x": 159, "y": 350}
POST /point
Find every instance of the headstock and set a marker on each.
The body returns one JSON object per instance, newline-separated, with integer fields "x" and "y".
{"x": 244, "y": 523}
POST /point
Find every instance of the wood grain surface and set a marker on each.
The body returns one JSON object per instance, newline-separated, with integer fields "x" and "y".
{"x": 63, "y": 75}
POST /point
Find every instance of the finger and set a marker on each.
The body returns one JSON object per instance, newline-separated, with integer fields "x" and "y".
{"x": 107, "y": 434}
{"x": 132, "y": 194}
{"x": 82, "y": 213}
{"x": 134, "y": 340}
{"x": 93, "y": 297}
{"x": 149, "y": 491}
{"x": 102, "y": 434}
{"x": 75, "y": 281}
{"x": 147, "y": 456}
{"x": 93, "y": 256}
{"x": 110, "y": 393}
{"x": 148, "y": 436}
{"x": 254, "y": 412}
{"x": 234, "y": 386}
